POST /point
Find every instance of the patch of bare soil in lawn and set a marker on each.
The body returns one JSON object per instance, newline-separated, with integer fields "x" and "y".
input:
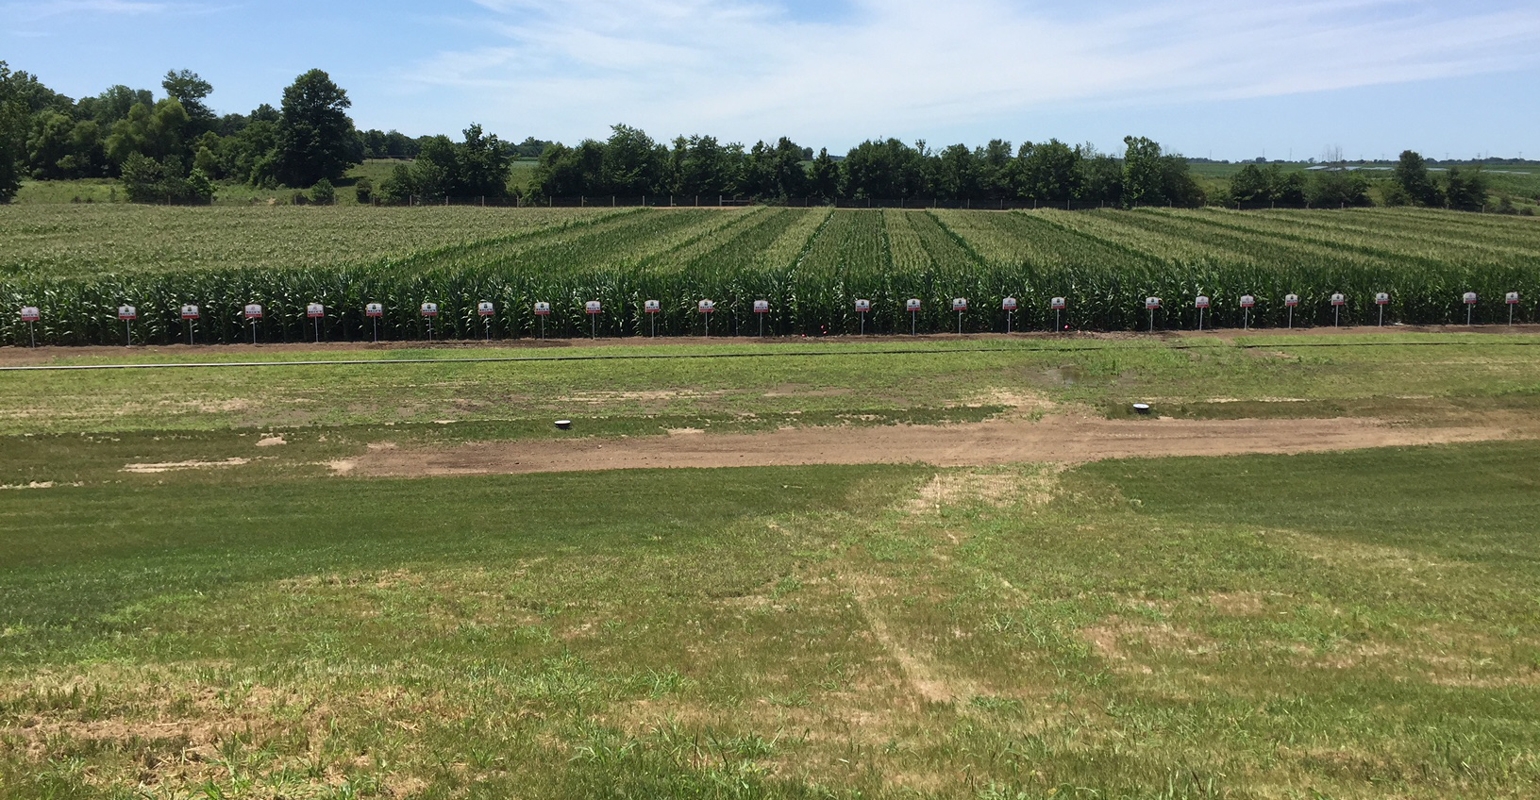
{"x": 1063, "y": 439}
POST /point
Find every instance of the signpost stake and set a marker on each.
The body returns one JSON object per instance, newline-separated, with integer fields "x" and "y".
{"x": 32, "y": 329}
{"x": 1246, "y": 319}
{"x": 128, "y": 333}
{"x": 1382, "y": 316}
{"x": 593, "y": 327}
{"x": 1007, "y": 323}
{"x": 542, "y": 329}
{"x": 376, "y": 321}
{"x": 1291, "y": 318}
{"x": 959, "y": 323}
{"x": 761, "y": 326}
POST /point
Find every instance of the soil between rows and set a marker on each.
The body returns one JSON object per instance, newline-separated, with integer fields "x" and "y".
{"x": 1058, "y": 439}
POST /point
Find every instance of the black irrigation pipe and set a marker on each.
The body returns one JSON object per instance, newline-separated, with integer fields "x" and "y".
{"x": 703, "y": 356}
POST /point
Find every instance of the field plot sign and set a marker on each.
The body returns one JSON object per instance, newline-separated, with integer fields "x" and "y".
{"x": 653, "y": 309}
{"x": 862, "y": 307}
{"x": 316, "y": 312}
{"x": 1059, "y": 304}
{"x": 1008, "y": 305}
{"x": 1512, "y": 300}
{"x": 486, "y": 310}
{"x": 707, "y": 308}
{"x": 1291, "y": 300}
{"x": 30, "y": 315}
{"x": 128, "y": 314}
{"x": 912, "y": 305}
{"x": 960, "y": 305}
{"x": 189, "y": 316}
{"x": 253, "y": 314}
{"x": 374, "y": 311}
{"x": 1248, "y": 302}
{"x": 1152, "y": 304}
{"x": 1337, "y": 302}
{"x": 542, "y": 310}
{"x": 593, "y": 308}
{"x": 1382, "y": 299}
{"x": 429, "y": 311}
{"x": 1202, "y": 305}
{"x": 761, "y": 308}
{"x": 1470, "y": 308}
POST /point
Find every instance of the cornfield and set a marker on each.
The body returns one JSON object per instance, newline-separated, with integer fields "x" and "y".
{"x": 811, "y": 265}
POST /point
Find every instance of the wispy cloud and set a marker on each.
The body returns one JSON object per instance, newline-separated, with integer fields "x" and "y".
{"x": 60, "y": 8}
{"x": 751, "y": 68}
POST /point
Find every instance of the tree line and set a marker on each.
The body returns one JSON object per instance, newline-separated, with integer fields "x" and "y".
{"x": 175, "y": 148}
{"x": 630, "y": 163}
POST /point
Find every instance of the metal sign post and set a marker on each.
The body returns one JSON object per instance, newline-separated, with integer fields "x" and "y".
{"x": 190, "y": 317}
{"x": 1059, "y": 304}
{"x": 653, "y": 309}
{"x": 316, "y": 312}
{"x": 429, "y": 311}
{"x": 1247, "y": 303}
{"x": 1152, "y": 304}
{"x": 707, "y": 308}
{"x": 960, "y": 305}
{"x": 30, "y": 315}
{"x": 374, "y": 311}
{"x": 913, "y": 307}
{"x": 1202, "y": 305}
{"x": 128, "y": 314}
{"x": 1337, "y": 302}
{"x": 863, "y": 306}
{"x": 1291, "y": 300}
{"x": 1512, "y": 300}
{"x": 486, "y": 310}
{"x": 542, "y": 310}
{"x": 593, "y": 308}
{"x": 253, "y": 313}
{"x": 1470, "y": 308}
{"x": 1009, "y": 306}
{"x": 761, "y": 308}
{"x": 1382, "y": 299}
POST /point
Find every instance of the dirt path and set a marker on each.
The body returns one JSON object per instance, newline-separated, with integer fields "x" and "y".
{"x": 1062, "y": 439}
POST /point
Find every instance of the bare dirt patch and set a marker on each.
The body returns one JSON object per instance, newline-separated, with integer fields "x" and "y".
{"x": 272, "y": 441}
{"x": 1056, "y": 439}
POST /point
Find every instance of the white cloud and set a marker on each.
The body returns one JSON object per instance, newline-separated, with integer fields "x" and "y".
{"x": 746, "y": 69}
{"x": 59, "y": 8}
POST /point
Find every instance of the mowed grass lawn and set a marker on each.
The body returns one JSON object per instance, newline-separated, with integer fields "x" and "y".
{"x": 1340, "y": 625}
{"x": 1347, "y": 625}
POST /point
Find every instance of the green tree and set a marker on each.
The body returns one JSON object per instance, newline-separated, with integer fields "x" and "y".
{"x": 13, "y": 131}
{"x": 1143, "y": 181}
{"x": 633, "y": 164}
{"x": 1049, "y": 171}
{"x": 323, "y": 193}
{"x": 824, "y": 180}
{"x": 483, "y": 163}
{"x": 1411, "y": 173}
{"x": 315, "y": 135}
{"x": 1338, "y": 188}
{"x": 884, "y": 170}
{"x": 190, "y": 90}
{"x": 1465, "y": 190}
{"x": 955, "y": 176}
{"x": 1101, "y": 178}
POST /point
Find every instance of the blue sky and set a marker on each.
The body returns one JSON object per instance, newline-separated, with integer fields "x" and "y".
{"x": 1213, "y": 78}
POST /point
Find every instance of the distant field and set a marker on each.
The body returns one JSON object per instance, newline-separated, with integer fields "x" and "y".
{"x": 78, "y": 264}
{"x": 196, "y": 600}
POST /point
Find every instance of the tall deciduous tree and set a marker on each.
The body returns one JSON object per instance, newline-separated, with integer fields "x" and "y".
{"x": 315, "y": 135}
{"x": 190, "y": 90}
{"x": 1412, "y": 174}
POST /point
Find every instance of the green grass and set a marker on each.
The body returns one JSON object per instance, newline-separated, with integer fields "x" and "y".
{"x": 636, "y": 389}
{"x": 1350, "y": 625}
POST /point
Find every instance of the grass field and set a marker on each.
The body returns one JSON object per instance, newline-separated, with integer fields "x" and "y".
{"x": 192, "y": 604}
{"x": 78, "y": 264}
